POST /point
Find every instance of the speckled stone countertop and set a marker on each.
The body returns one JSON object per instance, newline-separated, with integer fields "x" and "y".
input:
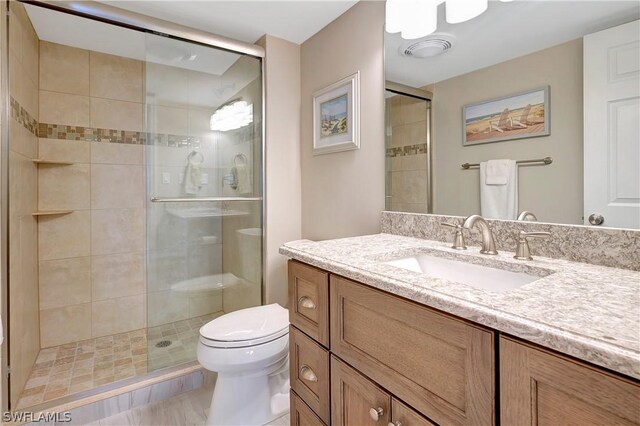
{"x": 587, "y": 311}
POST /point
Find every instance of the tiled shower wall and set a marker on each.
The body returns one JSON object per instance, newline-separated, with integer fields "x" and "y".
{"x": 92, "y": 262}
{"x": 23, "y": 263}
{"x": 406, "y": 154}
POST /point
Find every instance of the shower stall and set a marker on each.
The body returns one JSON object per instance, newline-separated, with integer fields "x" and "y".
{"x": 408, "y": 171}
{"x": 132, "y": 161}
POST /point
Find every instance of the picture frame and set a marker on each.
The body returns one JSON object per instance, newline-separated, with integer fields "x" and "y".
{"x": 336, "y": 116}
{"x": 518, "y": 116}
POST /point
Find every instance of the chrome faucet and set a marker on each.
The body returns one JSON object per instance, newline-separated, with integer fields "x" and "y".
{"x": 488, "y": 243}
{"x": 527, "y": 215}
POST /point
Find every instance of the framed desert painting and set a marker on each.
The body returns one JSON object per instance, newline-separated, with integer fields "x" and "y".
{"x": 336, "y": 116}
{"x": 522, "y": 115}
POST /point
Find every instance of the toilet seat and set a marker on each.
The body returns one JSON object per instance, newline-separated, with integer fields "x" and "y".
{"x": 246, "y": 327}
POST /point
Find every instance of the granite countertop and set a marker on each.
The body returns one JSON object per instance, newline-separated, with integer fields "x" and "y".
{"x": 586, "y": 311}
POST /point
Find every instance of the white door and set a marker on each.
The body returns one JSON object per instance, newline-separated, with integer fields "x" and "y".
{"x": 612, "y": 126}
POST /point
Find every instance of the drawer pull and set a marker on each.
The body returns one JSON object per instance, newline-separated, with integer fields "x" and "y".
{"x": 307, "y": 373}
{"x": 376, "y": 413}
{"x": 306, "y": 302}
{"x": 395, "y": 424}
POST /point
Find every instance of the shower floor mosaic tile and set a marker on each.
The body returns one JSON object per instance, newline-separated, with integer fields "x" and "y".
{"x": 76, "y": 367}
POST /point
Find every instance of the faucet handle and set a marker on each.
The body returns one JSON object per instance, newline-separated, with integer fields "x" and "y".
{"x": 522, "y": 249}
{"x": 458, "y": 240}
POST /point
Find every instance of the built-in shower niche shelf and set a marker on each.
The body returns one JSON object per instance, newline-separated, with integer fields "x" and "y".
{"x": 51, "y": 213}
{"x": 51, "y": 162}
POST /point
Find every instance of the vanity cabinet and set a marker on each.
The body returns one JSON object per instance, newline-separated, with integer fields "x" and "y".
{"x": 301, "y": 414}
{"x": 361, "y": 356}
{"x": 440, "y": 365}
{"x": 359, "y": 401}
{"x": 309, "y": 366}
{"x": 539, "y": 387}
{"x": 309, "y": 301}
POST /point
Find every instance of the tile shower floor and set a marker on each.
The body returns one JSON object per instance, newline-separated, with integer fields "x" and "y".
{"x": 76, "y": 367}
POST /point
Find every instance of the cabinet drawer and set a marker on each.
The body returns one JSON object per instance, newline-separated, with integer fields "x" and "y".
{"x": 402, "y": 415}
{"x": 301, "y": 414}
{"x": 542, "y": 388}
{"x": 441, "y": 366}
{"x": 309, "y": 372}
{"x": 356, "y": 400}
{"x": 309, "y": 301}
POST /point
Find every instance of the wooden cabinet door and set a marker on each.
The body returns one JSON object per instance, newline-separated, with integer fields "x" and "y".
{"x": 309, "y": 372}
{"x": 301, "y": 414}
{"x": 309, "y": 300}
{"x": 402, "y": 415}
{"x": 356, "y": 400}
{"x": 538, "y": 387}
{"x": 440, "y": 365}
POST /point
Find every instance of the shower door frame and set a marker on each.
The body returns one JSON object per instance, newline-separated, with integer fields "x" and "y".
{"x": 135, "y": 21}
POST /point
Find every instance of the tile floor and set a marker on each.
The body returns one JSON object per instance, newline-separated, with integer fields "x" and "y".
{"x": 64, "y": 370}
{"x": 188, "y": 409}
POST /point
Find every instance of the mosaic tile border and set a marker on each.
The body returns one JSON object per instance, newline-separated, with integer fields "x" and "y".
{"x": 23, "y": 117}
{"x": 403, "y": 151}
{"x": 94, "y": 134}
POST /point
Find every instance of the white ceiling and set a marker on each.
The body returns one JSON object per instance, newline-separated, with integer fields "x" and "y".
{"x": 71, "y": 30}
{"x": 247, "y": 21}
{"x": 505, "y": 31}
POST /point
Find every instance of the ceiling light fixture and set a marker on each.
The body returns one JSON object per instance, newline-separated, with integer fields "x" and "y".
{"x": 419, "y": 18}
{"x": 458, "y": 11}
{"x": 233, "y": 115}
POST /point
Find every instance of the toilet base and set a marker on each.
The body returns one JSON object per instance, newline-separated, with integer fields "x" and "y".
{"x": 250, "y": 399}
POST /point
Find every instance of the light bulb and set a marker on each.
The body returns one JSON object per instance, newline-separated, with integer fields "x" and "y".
{"x": 421, "y": 20}
{"x": 458, "y": 11}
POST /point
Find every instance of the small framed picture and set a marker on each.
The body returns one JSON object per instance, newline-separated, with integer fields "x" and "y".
{"x": 336, "y": 116}
{"x": 518, "y": 116}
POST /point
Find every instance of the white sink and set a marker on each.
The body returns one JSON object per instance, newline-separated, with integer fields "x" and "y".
{"x": 477, "y": 276}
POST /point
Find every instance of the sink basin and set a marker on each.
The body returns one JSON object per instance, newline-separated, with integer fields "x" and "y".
{"x": 482, "y": 277}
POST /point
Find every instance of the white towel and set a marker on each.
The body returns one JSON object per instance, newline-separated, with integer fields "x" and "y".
{"x": 192, "y": 179}
{"x": 499, "y": 189}
{"x": 242, "y": 176}
{"x": 497, "y": 172}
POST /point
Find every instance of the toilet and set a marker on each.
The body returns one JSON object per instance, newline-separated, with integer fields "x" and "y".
{"x": 249, "y": 350}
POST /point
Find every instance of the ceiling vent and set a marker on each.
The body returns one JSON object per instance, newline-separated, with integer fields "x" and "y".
{"x": 427, "y": 48}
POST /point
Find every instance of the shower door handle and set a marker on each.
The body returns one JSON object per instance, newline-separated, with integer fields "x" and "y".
{"x": 202, "y": 199}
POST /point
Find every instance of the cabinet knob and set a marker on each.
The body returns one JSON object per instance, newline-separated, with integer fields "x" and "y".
{"x": 306, "y": 302}
{"x": 307, "y": 373}
{"x": 394, "y": 424}
{"x": 376, "y": 413}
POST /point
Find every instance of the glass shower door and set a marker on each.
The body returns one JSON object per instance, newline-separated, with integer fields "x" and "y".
{"x": 204, "y": 188}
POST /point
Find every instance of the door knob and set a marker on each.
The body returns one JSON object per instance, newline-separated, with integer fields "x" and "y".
{"x": 596, "y": 219}
{"x": 376, "y": 413}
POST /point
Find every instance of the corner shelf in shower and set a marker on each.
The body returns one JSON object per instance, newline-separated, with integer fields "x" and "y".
{"x": 52, "y": 162}
{"x": 51, "y": 213}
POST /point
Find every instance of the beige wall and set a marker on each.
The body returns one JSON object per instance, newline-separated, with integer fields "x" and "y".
{"x": 343, "y": 193}
{"x": 23, "y": 227}
{"x": 553, "y": 193}
{"x": 283, "y": 206}
{"x": 91, "y": 261}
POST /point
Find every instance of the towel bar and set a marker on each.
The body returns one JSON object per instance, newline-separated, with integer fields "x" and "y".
{"x": 544, "y": 161}
{"x": 203, "y": 199}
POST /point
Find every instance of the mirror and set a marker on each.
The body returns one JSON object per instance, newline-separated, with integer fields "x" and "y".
{"x": 553, "y": 85}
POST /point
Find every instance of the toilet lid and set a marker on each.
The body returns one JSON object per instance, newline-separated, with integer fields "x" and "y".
{"x": 248, "y": 327}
